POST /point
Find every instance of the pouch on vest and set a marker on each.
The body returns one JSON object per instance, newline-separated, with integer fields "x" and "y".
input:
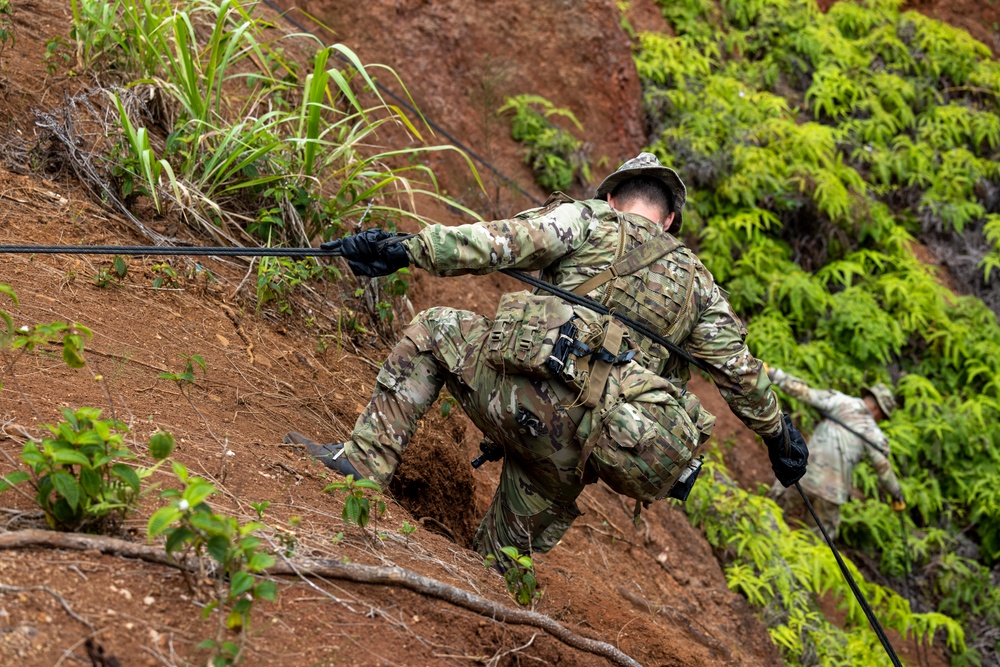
{"x": 524, "y": 333}
{"x": 642, "y": 438}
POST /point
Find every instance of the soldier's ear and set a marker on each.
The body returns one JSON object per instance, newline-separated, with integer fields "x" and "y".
{"x": 611, "y": 202}
{"x": 669, "y": 221}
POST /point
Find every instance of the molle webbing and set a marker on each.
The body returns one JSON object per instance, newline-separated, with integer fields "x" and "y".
{"x": 600, "y": 369}
{"x": 637, "y": 258}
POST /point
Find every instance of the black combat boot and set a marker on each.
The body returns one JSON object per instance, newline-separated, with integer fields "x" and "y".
{"x": 332, "y": 454}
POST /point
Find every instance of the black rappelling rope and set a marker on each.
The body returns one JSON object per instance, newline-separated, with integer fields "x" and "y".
{"x": 237, "y": 251}
{"x": 567, "y": 295}
{"x": 240, "y": 251}
{"x": 876, "y": 626}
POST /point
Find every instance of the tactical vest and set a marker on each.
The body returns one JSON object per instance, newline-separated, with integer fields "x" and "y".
{"x": 661, "y": 297}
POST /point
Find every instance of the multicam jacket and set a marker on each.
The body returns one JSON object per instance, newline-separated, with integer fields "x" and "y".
{"x": 571, "y": 241}
{"x": 833, "y": 450}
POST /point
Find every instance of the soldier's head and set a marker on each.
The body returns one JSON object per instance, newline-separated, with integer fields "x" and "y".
{"x": 880, "y": 401}
{"x": 642, "y": 185}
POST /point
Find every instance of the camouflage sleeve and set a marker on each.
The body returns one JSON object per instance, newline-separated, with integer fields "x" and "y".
{"x": 528, "y": 243}
{"x": 886, "y": 477}
{"x": 719, "y": 339}
{"x": 825, "y": 400}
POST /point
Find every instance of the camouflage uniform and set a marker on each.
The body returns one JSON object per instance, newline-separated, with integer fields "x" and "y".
{"x": 834, "y": 452}
{"x": 569, "y": 241}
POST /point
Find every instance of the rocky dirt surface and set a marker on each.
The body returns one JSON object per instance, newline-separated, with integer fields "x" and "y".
{"x": 655, "y": 592}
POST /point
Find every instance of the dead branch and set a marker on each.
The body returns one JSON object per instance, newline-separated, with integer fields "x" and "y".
{"x": 362, "y": 574}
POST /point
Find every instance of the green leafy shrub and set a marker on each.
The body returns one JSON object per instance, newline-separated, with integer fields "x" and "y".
{"x": 79, "y": 474}
{"x": 277, "y": 278}
{"x": 192, "y": 529}
{"x": 819, "y": 148}
{"x": 519, "y": 575}
{"x": 358, "y": 507}
{"x": 556, "y": 157}
{"x": 783, "y": 571}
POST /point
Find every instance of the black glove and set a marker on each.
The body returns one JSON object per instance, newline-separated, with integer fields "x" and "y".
{"x": 370, "y": 253}
{"x": 788, "y": 453}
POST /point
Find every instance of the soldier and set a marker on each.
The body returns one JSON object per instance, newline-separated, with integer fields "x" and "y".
{"x": 616, "y": 248}
{"x": 834, "y": 450}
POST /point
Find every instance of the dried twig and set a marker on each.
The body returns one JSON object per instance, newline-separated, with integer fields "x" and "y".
{"x": 45, "y": 589}
{"x": 495, "y": 660}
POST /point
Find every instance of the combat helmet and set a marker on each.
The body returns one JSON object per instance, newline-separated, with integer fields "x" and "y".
{"x": 646, "y": 164}
{"x": 883, "y": 396}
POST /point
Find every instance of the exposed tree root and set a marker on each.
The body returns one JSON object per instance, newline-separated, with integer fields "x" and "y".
{"x": 364, "y": 574}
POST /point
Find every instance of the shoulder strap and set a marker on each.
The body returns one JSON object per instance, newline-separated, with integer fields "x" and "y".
{"x": 637, "y": 258}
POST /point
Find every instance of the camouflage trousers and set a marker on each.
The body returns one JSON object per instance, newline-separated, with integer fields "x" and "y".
{"x": 535, "y": 502}
{"x": 795, "y": 510}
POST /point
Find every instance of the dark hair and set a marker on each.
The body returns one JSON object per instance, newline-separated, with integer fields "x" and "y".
{"x": 647, "y": 189}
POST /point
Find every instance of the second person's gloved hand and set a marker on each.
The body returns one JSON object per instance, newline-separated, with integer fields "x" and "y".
{"x": 370, "y": 253}
{"x": 788, "y": 453}
{"x": 898, "y": 503}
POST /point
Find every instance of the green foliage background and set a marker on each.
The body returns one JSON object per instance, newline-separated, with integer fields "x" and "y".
{"x": 557, "y": 158}
{"x": 817, "y": 149}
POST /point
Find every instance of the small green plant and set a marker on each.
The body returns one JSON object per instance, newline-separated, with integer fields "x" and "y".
{"x": 357, "y": 504}
{"x": 192, "y": 529}
{"x": 448, "y": 403}
{"x": 58, "y": 53}
{"x": 78, "y": 473}
{"x": 16, "y": 342}
{"x": 166, "y": 277}
{"x": 288, "y": 541}
{"x": 186, "y": 377}
{"x": 519, "y": 575}
{"x": 277, "y": 278}
{"x": 7, "y": 332}
{"x": 407, "y": 529}
{"x": 117, "y": 272}
{"x": 29, "y": 339}
{"x": 260, "y": 507}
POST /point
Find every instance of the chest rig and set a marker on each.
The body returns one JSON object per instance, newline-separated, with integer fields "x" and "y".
{"x": 543, "y": 336}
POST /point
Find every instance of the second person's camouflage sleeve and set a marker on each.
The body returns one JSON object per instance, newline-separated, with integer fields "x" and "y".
{"x": 531, "y": 243}
{"x": 886, "y": 477}
{"x": 825, "y": 400}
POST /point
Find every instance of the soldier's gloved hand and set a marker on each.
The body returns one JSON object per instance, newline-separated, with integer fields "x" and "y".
{"x": 788, "y": 453}
{"x": 898, "y": 504}
{"x": 768, "y": 370}
{"x": 372, "y": 253}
